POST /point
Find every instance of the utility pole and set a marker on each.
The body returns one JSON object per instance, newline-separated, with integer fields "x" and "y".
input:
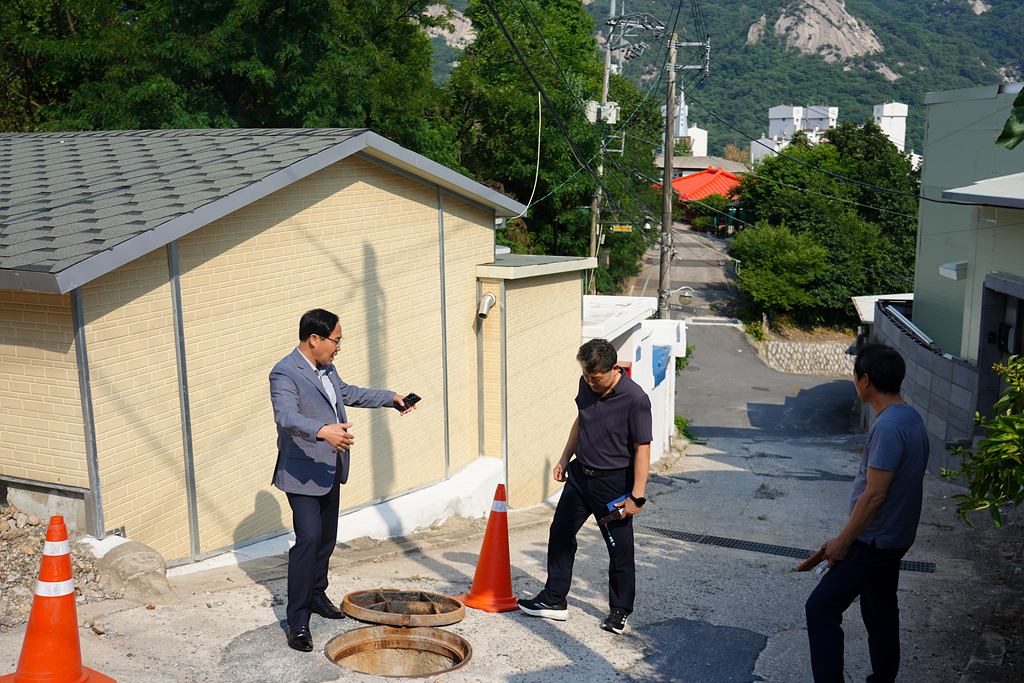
{"x": 666, "y": 188}
{"x": 595, "y": 212}
{"x": 664, "y": 282}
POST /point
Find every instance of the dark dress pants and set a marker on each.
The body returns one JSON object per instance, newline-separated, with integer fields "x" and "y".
{"x": 582, "y": 497}
{"x": 315, "y": 522}
{"x": 873, "y": 574}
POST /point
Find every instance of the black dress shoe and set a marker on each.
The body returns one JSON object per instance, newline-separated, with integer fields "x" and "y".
{"x": 323, "y": 606}
{"x": 300, "y": 639}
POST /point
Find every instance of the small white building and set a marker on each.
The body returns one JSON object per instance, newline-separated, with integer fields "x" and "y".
{"x": 892, "y": 119}
{"x": 815, "y": 120}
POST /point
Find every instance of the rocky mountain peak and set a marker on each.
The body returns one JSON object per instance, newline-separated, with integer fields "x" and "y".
{"x": 820, "y": 27}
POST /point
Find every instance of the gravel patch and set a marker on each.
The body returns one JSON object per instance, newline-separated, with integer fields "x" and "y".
{"x": 21, "y": 554}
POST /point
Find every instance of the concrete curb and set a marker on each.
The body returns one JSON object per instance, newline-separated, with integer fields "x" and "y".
{"x": 988, "y": 663}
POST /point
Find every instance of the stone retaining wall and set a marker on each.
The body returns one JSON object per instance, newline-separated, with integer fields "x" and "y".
{"x": 824, "y": 359}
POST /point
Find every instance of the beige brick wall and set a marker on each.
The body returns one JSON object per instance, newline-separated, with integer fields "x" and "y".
{"x": 543, "y": 315}
{"x": 468, "y": 242}
{"x": 491, "y": 332}
{"x": 359, "y": 241}
{"x": 41, "y": 434}
{"x": 354, "y": 239}
{"x": 133, "y": 371}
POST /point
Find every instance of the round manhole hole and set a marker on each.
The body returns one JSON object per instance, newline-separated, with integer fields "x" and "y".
{"x": 399, "y": 652}
{"x": 403, "y": 608}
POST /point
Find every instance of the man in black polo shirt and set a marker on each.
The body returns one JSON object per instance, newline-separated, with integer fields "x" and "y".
{"x": 611, "y": 438}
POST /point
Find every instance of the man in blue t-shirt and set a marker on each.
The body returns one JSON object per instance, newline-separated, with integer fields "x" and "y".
{"x": 885, "y": 508}
{"x": 611, "y": 438}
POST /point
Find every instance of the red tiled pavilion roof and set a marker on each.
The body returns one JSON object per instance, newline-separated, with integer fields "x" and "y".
{"x": 704, "y": 183}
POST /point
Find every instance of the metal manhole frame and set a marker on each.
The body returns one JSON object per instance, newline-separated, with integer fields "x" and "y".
{"x": 383, "y": 637}
{"x": 356, "y": 605}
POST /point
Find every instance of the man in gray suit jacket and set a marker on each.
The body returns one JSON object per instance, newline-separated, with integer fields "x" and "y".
{"x": 313, "y": 444}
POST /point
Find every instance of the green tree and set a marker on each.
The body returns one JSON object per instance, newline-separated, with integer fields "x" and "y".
{"x": 994, "y": 469}
{"x": 494, "y": 106}
{"x": 97, "y": 65}
{"x": 868, "y": 234}
{"x": 709, "y": 211}
{"x": 50, "y": 47}
{"x": 776, "y": 265}
{"x": 1013, "y": 131}
{"x": 627, "y": 176}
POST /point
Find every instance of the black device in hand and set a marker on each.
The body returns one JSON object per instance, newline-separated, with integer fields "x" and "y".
{"x": 410, "y": 400}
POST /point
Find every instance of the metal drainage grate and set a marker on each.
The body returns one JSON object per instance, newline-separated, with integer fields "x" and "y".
{"x": 767, "y": 549}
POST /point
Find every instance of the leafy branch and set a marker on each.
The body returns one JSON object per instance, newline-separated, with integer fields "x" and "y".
{"x": 994, "y": 469}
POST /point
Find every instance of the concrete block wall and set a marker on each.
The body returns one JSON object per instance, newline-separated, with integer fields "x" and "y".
{"x": 129, "y": 330}
{"x": 41, "y": 435}
{"x": 944, "y": 390}
{"x": 824, "y": 359}
{"x": 543, "y": 313}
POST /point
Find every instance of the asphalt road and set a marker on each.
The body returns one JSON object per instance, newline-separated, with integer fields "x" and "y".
{"x": 726, "y": 391}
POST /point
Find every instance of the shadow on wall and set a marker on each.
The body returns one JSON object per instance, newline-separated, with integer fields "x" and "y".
{"x": 266, "y": 514}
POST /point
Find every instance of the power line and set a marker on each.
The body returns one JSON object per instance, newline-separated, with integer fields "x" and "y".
{"x": 836, "y": 175}
{"x": 838, "y": 199}
{"x": 554, "y": 112}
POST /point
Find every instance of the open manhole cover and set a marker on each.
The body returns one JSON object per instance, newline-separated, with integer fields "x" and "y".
{"x": 403, "y": 608}
{"x": 399, "y": 652}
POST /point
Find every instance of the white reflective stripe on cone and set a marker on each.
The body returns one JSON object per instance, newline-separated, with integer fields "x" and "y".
{"x": 55, "y": 589}
{"x": 499, "y": 506}
{"x": 57, "y": 548}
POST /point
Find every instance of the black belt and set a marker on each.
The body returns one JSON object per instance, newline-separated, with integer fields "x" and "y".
{"x": 591, "y": 472}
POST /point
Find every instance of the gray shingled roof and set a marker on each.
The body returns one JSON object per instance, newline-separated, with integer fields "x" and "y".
{"x": 74, "y": 206}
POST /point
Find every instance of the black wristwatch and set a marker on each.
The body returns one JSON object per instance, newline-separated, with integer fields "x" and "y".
{"x": 639, "y": 502}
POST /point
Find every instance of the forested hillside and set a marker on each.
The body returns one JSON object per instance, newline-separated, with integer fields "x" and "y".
{"x": 927, "y": 45}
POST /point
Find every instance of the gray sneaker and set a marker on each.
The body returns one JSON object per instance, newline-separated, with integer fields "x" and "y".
{"x": 536, "y": 608}
{"x": 615, "y": 622}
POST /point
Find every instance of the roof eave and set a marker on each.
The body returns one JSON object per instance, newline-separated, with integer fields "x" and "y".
{"x": 429, "y": 170}
{"x": 367, "y": 142}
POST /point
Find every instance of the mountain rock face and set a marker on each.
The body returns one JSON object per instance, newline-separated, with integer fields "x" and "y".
{"x": 461, "y": 35}
{"x": 820, "y": 27}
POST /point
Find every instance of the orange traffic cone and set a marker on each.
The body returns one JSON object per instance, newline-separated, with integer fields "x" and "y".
{"x": 51, "y": 652}
{"x": 492, "y": 583}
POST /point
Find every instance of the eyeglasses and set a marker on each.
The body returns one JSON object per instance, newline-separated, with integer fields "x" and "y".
{"x": 337, "y": 342}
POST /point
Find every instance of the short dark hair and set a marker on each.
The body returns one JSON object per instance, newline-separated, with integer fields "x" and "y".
{"x": 883, "y": 365}
{"x": 597, "y": 355}
{"x": 318, "y": 322}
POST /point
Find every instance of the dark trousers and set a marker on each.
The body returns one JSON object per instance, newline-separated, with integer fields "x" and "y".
{"x": 582, "y": 497}
{"x": 873, "y": 574}
{"x": 315, "y": 522}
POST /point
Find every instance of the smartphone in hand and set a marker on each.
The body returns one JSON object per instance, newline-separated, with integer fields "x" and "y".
{"x": 410, "y": 399}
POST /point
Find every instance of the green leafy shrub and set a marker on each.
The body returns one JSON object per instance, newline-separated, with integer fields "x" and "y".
{"x": 994, "y": 469}
{"x": 683, "y": 427}
{"x": 683, "y": 361}
{"x": 756, "y": 330}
